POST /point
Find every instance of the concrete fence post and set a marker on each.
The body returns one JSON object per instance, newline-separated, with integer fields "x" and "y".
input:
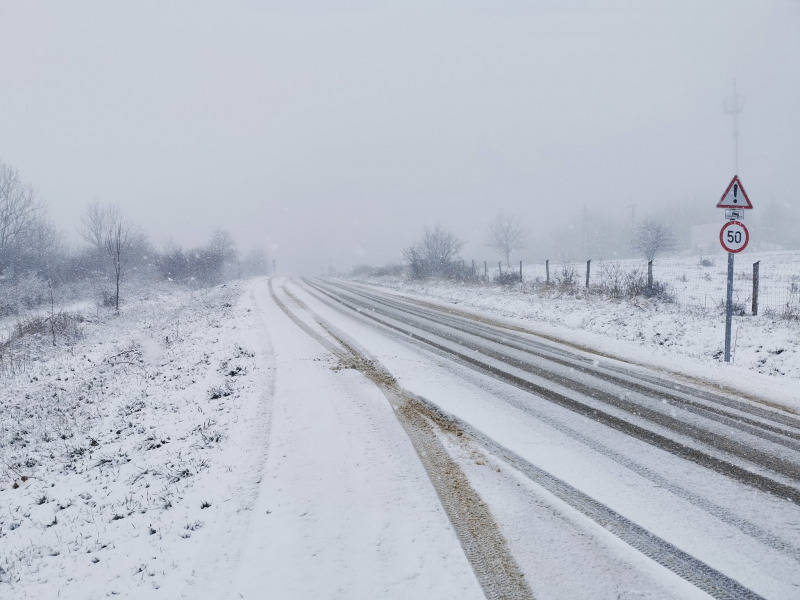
{"x": 755, "y": 287}
{"x": 588, "y": 270}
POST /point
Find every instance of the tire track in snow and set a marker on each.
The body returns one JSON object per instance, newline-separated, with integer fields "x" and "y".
{"x": 706, "y": 578}
{"x": 477, "y": 531}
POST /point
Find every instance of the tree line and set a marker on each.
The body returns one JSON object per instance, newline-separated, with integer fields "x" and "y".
{"x": 35, "y": 258}
{"x": 437, "y": 254}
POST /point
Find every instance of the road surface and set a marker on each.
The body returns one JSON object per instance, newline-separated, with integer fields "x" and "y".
{"x": 520, "y": 466}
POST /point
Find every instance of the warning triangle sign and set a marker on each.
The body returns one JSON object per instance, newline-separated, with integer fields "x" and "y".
{"x": 734, "y": 196}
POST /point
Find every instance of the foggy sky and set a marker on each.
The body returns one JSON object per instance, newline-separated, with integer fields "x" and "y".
{"x": 334, "y": 135}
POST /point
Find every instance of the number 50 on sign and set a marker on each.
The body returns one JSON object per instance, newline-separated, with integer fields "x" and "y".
{"x": 734, "y": 236}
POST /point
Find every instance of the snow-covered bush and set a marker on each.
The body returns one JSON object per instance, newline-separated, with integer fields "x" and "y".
{"x": 27, "y": 292}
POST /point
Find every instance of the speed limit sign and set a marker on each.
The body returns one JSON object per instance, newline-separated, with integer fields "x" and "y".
{"x": 734, "y": 236}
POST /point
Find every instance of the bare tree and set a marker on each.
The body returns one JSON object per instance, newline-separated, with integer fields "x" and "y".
{"x": 222, "y": 254}
{"x": 653, "y": 237}
{"x": 40, "y": 249}
{"x": 111, "y": 238}
{"x": 441, "y": 249}
{"x": 435, "y": 255}
{"x": 20, "y": 211}
{"x": 506, "y": 235}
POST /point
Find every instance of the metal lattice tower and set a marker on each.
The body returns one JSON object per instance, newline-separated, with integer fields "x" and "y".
{"x": 734, "y": 105}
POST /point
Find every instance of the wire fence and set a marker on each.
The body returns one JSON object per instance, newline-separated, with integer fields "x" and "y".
{"x": 698, "y": 282}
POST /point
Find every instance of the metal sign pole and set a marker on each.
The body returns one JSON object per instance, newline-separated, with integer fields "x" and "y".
{"x": 729, "y": 309}
{"x": 734, "y": 238}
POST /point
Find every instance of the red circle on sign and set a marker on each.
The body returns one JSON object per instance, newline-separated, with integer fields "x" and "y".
{"x": 730, "y": 241}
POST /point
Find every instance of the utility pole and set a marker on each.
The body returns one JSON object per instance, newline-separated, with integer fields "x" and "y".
{"x": 734, "y": 105}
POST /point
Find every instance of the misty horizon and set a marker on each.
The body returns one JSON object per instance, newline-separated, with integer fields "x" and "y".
{"x": 333, "y": 137}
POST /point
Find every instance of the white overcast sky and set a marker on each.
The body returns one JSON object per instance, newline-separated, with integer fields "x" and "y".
{"x": 333, "y": 135}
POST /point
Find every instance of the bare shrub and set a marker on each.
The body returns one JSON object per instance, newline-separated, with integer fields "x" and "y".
{"x": 64, "y": 324}
{"x": 612, "y": 279}
{"x": 566, "y": 276}
{"x": 507, "y": 278}
{"x": 616, "y": 282}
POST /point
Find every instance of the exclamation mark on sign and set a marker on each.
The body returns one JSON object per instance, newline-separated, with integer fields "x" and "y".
{"x": 735, "y": 189}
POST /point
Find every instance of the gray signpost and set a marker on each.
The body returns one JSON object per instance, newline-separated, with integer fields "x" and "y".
{"x": 734, "y": 237}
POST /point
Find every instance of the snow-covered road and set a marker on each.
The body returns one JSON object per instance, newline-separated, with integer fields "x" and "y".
{"x": 703, "y": 477}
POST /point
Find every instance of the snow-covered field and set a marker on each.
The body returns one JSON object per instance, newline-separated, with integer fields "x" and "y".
{"x": 117, "y": 445}
{"x": 695, "y": 282}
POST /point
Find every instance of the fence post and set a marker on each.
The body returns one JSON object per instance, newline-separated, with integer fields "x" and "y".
{"x": 485, "y": 269}
{"x": 473, "y": 267}
{"x": 547, "y": 270}
{"x": 588, "y": 269}
{"x": 500, "y": 267}
{"x": 649, "y": 276}
{"x": 755, "y": 287}
{"x": 520, "y": 271}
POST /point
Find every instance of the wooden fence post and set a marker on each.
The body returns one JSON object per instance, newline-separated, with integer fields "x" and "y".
{"x": 520, "y": 271}
{"x": 500, "y": 267}
{"x": 588, "y": 269}
{"x": 755, "y": 287}
{"x": 547, "y": 270}
{"x": 649, "y": 276}
{"x": 485, "y": 269}
{"x": 473, "y": 267}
